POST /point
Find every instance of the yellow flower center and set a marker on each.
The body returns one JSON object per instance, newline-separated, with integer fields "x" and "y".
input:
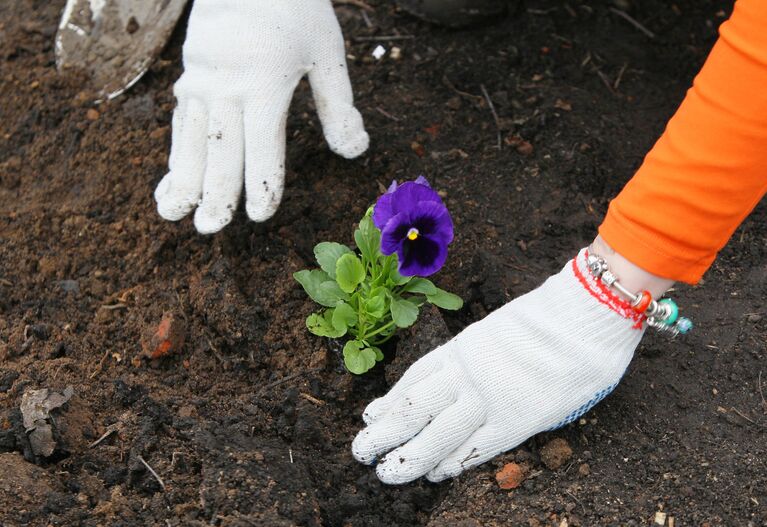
{"x": 412, "y": 234}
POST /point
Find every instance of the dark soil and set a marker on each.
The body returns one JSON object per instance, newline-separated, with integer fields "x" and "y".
{"x": 251, "y": 423}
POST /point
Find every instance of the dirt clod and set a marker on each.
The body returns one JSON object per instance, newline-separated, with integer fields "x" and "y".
{"x": 510, "y": 476}
{"x": 556, "y": 453}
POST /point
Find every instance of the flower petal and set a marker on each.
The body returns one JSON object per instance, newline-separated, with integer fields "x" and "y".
{"x": 405, "y": 198}
{"x": 422, "y": 181}
{"x": 422, "y": 257}
{"x": 394, "y": 233}
{"x": 433, "y": 221}
{"x": 383, "y": 210}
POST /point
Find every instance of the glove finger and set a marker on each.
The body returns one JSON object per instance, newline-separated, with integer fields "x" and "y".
{"x": 222, "y": 183}
{"x": 332, "y": 89}
{"x": 481, "y": 446}
{"x": 414, "y": 410}
{"x": 265, "y": 159}
{"x": 420, "y": 370}
{"x": 180, "y": 190}
{"x": 445, "y": 433}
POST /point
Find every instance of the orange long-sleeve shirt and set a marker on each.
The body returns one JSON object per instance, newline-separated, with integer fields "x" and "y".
{"x": 709, "y": 168}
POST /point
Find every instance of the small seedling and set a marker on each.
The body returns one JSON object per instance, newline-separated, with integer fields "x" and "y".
{"x": 369, "y": 293}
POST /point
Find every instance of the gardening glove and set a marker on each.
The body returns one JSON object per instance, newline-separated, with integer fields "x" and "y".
{"x": 242, "y": 62}
{"x": 536, "y": 364}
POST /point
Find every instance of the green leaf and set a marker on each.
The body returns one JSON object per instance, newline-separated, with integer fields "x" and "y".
{"x": 379, "y": 353}
{"x": 332, "y": 293}
{"x": 368, "y": 239}
{"x": 321, "y": 324}
{"x": 344, "y": 317}
{"x": 358, "y": 359}
{"x": 327, "y": 254}
{"x": 422, "y": 286}
{"x": 320, "y": 287}
{"x": 445, "y": 300}
{"x": 375, "y": 305}
{"x": 349, "y": 272}
{"x": 398, "y": 279}
{"x": 403, "y": 312}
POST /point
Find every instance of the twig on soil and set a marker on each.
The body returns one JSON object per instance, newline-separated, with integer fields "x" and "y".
{"x": 495, "y": 114}
{"x": 450, "y": 85}
{"x": 290, "y": 453}
{"x": 366, "y": 18}
{"x": 113, "y": 307}
{"x": 744, "y": 416}
{"x": 577, "y": 500}
{"x": 620, "y": 76}
{"x": 387, "y": 114}
{"x": 606, "y": 81}
{"x": 355, "y": 3}
{"x": 151, "y": 470}
{"x": 287, "y": 379}
{"x": 383, "y": 38}
{"x": 542, "y": 12}
{"x": 311, "y": 399}
{"x": 215, "y": 350}
{"x": 28, "y": 338}
{"x": 631, "y": 20}
{"x": 761, "y": 394}
{"x": 111, "y": 429}
{"x": 100, "y": 365}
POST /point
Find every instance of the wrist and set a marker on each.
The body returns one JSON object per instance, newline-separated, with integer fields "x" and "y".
{"x": 631, "y": 276}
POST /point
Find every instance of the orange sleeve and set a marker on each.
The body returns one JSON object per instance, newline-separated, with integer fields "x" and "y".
{"x": 709, "y": 168}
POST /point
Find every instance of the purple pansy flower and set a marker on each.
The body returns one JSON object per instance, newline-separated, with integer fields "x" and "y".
{"x": 416, "y": 225}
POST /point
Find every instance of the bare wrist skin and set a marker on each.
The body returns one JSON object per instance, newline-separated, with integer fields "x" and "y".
{"x": 631, "y": 276}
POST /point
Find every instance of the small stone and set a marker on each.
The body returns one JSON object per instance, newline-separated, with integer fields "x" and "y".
{"x": 69, "y": 286}
{"x": 454, "y": 103}
{"x": 92, "y": 114}
{"x": 523, "y": 147}
{"x": 754, "y": 317}
{"x": 166, "y": 338}
{"x": 660, "y": 518}
{"x": 379, "y": 52}
{"x": 555, "y": 453}
{"x": 418, "y": 148}
{"x": 510, "y": 476}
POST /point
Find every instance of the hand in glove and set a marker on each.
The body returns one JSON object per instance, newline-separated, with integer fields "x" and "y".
{"x": 536, "y": 364}
{"x": 242, "y": 62}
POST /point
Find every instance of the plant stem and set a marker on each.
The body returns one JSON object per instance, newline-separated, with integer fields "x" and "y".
{"x": 381, "y": 329}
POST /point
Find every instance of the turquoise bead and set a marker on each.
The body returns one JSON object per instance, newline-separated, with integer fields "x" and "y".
{"x": 684, "y": 325}
{"x": 674, "y": 311}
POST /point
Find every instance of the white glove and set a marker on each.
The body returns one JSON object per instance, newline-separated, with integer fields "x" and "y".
{"x": 536, "y": 364}
{"x": 242, "y": 62}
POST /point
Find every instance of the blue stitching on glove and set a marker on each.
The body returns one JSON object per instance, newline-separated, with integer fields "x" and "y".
{"x": 601, "y": 394}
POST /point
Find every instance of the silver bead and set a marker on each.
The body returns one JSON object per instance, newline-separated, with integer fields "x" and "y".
{"x": 609, "y": 278}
